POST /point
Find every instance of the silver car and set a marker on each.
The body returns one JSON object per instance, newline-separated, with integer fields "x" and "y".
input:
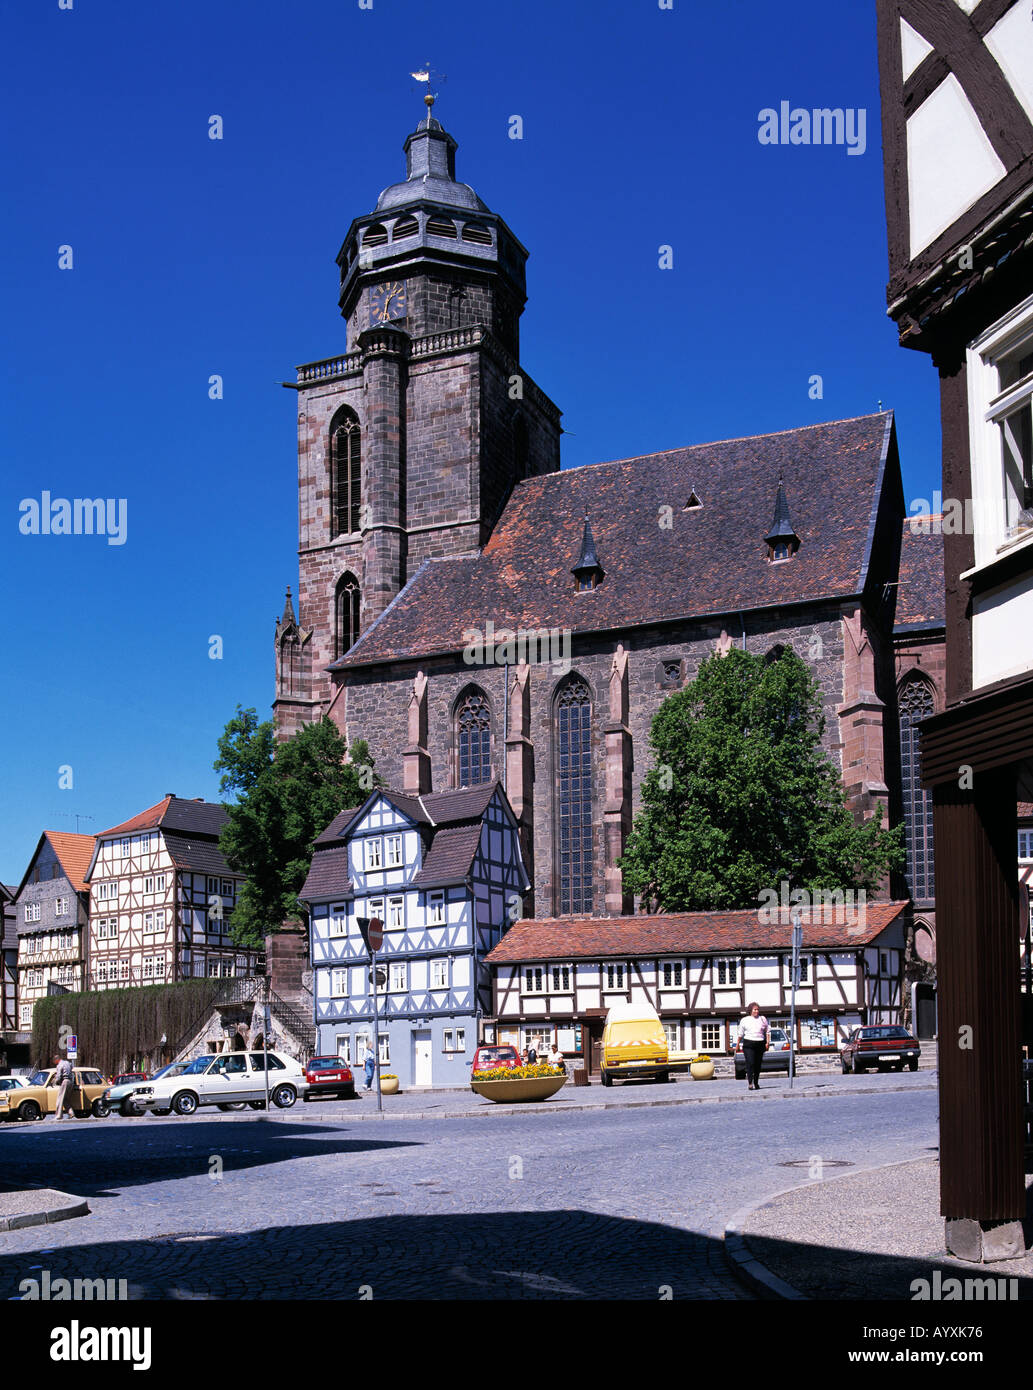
{"x": 225, "y": 1079}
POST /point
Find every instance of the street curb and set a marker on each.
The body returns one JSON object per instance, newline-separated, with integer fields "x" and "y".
{"x": 753, "y": 1272}
{"x": 493, "y": 1108}
{"x": 71, "y": 1206}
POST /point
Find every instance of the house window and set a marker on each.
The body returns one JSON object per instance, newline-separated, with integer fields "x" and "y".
{"x": 25, "y": 1016}
{"x": 671, "y": 1033}
{"x": 126, "y": 848}
{"x": 107, "y": 928}
{"x": 339, "y": 983}
{"x": 534, "y": 979}
{"x": 32, "y": 946}
{"x": 439, "y": 974}
{"x": 339, "y": 919}
{"x": 148, "y": 967}
{"x": 375, "y": 909}
{"x": 385, "y": 1050}
{"x": 60, "y": 907}
{"x": 473, "y": 739}
{"x": 345, "y": 474}
{"x": 562, "y": 975}
{"x": 446, "y": 1041}
{"x": 436, "y": 909}
{"x": 710, "y": 1036}
{"x": 398, "y": 980}
{"x": 395, "y": 913}
{"x": 148, "y": 921}
{"x": 805, "y": 970}
{"x": 574, "y": 796}
{"x": 727, "y": 972}
{"x": 884, "y": 963}
{"x": 374, "y": 854}
{"x": 394, "y": 851}
{"x": 1012, "y": 412}
{"x": 123, "y": 970}
{"x": 1026, "y": 844}
{"x": 347, "y": 606}
{"x": 148, "y": 884}
{"x": 915, "y": 703}
{"x": 614, "y": 977}
{"x": 107, "y": 890}
{"x": 159, "y": 883}
{"x": 344, "y": 1047}
{"x": 32, "y": 912}
{"x": 672, "y": 974}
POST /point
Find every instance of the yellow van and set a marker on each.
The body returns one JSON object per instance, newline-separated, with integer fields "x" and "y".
{"x": 634, "y": 1044}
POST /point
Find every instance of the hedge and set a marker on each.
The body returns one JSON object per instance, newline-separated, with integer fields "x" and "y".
{"x": 117, "y": 1029}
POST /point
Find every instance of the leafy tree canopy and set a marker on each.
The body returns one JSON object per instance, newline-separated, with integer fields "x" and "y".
{"x": 742, "y": 796}
{"x": 288, "y": 793}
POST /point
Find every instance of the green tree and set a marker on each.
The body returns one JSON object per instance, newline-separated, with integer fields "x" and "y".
{"x": 742, "y": 796}
{"x": 288, "y": 793}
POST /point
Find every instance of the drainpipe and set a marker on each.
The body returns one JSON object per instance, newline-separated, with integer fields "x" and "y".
{"x": 742, "y": 624}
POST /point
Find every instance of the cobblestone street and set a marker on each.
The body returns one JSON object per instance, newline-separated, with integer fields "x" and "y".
{"x": 589, "y": 1204}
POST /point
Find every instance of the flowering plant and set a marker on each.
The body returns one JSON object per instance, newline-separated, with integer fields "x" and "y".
{"x": 516, "y": 1073}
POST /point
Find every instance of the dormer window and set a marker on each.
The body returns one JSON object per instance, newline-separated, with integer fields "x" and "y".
{"x": 587, "y": 572}
{"x": 782, "y": 541}
{"x": 585, "y": 582}
{"x": 780, "y": 551}
{"x": 693, "y": 503}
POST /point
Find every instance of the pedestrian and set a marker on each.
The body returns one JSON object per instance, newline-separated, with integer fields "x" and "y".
{"x": 63, "y": 1078}
{"x": 753, "y": 1034}
{"x": 531, "y": 1055}
{"x": 555, "y": 1057}
{"x": 370, "y": 1064}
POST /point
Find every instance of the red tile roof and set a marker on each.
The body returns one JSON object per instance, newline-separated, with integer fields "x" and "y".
{"x": 146, "y": 820}
{"x": 686, "y": 933}
{"x": 711, "y": 561}
{"x": 74, "y": 853}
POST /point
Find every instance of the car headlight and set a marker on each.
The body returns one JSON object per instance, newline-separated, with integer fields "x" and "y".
{"x": 144, "y": 1091}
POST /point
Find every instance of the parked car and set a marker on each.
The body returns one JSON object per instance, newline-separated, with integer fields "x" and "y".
{"x": 491, "y": 1055}
{"x": 12, "y": 1083}
{"x": 39, "y": 1097}
{"x": 882, "y": 1046}
{"x": 776, "y": 1057}
{"x": 120, "y": 1094}
{"x": 329, "y": 1076}
{"x": 225, "y": 1079}
{"x": 634, "y": 1045}
{"x": 125, "y": 1076}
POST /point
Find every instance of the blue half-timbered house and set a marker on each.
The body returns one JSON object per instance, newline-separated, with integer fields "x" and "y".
{"x": 444, "y": 873}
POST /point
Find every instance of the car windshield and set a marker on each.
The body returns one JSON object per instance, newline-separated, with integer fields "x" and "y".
{"x": 884, "y": 1034}
{"x": 38, "y": 1078}
{"x": 490, "y": 1056}
{"x": 198, "y": 1065}
{"x": 173, "y": 1069}
{"x": 326, "y": 1064}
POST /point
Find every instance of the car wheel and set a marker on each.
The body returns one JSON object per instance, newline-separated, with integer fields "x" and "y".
{"x": 156, "y": 1111}
{"x": 284, "y": 1097}
{"x": 81, "y": 1114}
{"x": 858, "y": 1068}
{"x": 101, "y": 1109}
{"x": 606, "y": 1080}
{"x": 257, "y": 1104}
{"x": 185, "y": 1103}
{"x": 232, "y": 1105}
{"x": 306, "y": 1096}
{"x": 913, "y": 1066}
{"x": 844, "y": 1067}
{"x": 663, "y": 1076}
{"x": 131, "y": 1109}
{"x": 29, "y": 1110}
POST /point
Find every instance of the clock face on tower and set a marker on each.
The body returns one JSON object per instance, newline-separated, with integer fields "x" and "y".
{"x": 387, "y": 302}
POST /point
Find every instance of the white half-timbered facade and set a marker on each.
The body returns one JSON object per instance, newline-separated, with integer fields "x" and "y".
{"x": 51, "y": 905}
{"x": 444, "y": 873}
{"x": 161, "y": 896}
{"x": 556, "y": 979}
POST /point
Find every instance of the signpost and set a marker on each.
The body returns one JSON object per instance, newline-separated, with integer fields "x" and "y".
{"x": 72, "y": 1048}
{"x": 797, "y": 943}
{"x": 372, "y": 929}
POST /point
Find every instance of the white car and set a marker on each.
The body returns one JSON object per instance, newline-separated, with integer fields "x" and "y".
{"x": 225, "y": 1079}
{"x": 13, "y": 1083}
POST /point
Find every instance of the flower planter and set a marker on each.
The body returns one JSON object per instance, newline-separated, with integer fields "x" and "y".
{"x": 520, "y": 1088}
{"x": 702, "y": 1071}
{"x": 389, "y": 1085}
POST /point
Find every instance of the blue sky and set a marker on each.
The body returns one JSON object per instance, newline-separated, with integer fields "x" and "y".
{"x": 193, "y": 256}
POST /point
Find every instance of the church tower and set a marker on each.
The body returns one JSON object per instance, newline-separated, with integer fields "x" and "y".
{"x": 411, "y": 440}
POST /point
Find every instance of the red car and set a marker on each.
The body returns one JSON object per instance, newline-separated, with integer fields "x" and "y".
{"x": 329, "y": 1076}
{"x": 125, "y": 1076}
{"x": 491, "y": 1055}
{"x": 880, "y": 1046}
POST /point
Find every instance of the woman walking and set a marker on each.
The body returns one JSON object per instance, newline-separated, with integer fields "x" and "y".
{"x": 753, "y": 1034}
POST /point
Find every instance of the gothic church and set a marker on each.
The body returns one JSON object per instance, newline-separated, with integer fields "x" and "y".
{"x": 433, "y": 508}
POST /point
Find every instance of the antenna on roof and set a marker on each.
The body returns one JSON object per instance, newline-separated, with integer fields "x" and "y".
{"x": 68, "y": 815}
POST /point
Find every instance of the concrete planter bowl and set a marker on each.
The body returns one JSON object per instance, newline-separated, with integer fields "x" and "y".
{"x": 520, "y": 1088}
{"x": 389, "y": 1085}
{"x": 702, "y": 1071}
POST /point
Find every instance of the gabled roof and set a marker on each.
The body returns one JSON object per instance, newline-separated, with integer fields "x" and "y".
{"x": 73, "y": 853}
{"x": 920, "y": 595}
{"x": 685, "y": 933}
{"x": 201, "y": 856}
{"x": 430, "y": 809}
{"x": 197, "y": 817}
{"x": 715, "y": 564}
{"x": 450, "y": 856}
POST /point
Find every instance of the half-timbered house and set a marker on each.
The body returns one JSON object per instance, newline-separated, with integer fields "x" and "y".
{"x": 555, "y": 980}
{"x": 13, "y": 1040}
{"x": 957, "y": 118}
{"x": 161, "y": 895}
{"x": 444, "y": 874}
{"x": 52, "y": 903}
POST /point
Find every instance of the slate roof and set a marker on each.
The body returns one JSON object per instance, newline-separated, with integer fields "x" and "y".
{"x": 450, "y": 826}
{"x": 201, "y": 856}
{"x": 682, "y": 933}
{"x": 712, "y": 561}
{"x": 920, "y": 597}
{"x": 175, "y": 813}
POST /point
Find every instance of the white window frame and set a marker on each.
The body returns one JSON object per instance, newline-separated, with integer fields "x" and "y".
{"x": 436, "y": 908}
{"x": 338, "y": 924}
{"x": 125, "y": 848}
{"x": 538, "y": 983}
{"x": 393, "y": 854}
{"x": 705, "y": 1044}
{"x": 373, "y": 853}
{"x": 60, "y": 907}
{"x": 1025, "y": 844}
{"x": 615, "y": 977}
{"x": 339, "y": 982}
{"x": 398, "y": 977}
{"x": 672, "y": 966}
{"x": 438, "y": 968}
{"x": 732, "y": 966}
{"x": 395, "y": 908}
{"x": 557, "y": 968}
{"x": 385, "y": 1049}
{"x": 33, "y": 912}
{"x": 344, "y": 1048}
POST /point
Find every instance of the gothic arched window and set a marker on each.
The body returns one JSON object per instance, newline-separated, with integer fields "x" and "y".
{"x": 473, "y": 739}
{"x": 345, "y": 473}
{"x": 915, "y": 703}
{"x": 574, "y": 795}
{"x": 346, "y": 614}
{"x": 288, "y": 666}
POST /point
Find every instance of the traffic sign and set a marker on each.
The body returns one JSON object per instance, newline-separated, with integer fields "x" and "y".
{"x": 372, "y": 929}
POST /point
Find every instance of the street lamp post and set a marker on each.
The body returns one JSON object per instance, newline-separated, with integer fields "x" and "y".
{"x": 795, "y": 918}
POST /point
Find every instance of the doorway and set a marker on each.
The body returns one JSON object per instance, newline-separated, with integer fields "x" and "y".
{"x": 925, "y": 1011}
{"x": 421, "y": 1059}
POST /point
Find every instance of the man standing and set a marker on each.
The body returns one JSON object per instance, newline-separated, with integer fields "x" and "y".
{"x": 370, "y": 1064}
{"x": 753, "y": 1034}
{"x": 64, "y": 1078}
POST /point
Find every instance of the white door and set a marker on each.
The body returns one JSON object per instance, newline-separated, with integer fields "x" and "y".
{"x": 421, "y": 1059}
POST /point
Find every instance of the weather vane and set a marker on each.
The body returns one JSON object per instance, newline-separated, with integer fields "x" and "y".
{"x": 427, "y": 75}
